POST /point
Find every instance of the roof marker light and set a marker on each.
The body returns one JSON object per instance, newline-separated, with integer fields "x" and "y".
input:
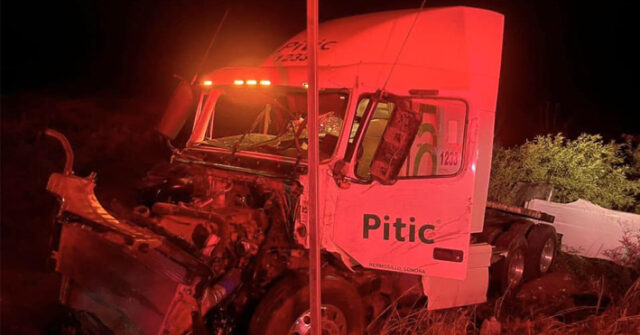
{"x": 207, "y": 83}
{"x": 238, "y": 82}
{"x": 252, "y": 82}
{"x": 265, "y": 82}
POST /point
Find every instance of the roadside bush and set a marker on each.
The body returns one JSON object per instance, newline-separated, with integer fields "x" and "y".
{"x": 584, "y": 168}
{"x": 628, "y": 253}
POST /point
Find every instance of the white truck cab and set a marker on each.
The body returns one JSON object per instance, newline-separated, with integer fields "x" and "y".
{"x": 442, "y": 66}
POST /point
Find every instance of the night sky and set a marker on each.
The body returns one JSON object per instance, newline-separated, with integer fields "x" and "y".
{"x": 572, "y": 63}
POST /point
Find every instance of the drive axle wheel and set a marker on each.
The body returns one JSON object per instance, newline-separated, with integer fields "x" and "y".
{"x": 285, "y": 309}
{"x": 541, "y": 252}
{"x": 509, "y": 272}
{"x": 515, "y": 268}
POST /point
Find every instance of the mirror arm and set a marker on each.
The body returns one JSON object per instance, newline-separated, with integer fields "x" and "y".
{"x": 339, "y": 176}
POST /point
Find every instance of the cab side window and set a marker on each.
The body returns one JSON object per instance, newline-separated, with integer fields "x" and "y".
{"x": 438, "y": 147}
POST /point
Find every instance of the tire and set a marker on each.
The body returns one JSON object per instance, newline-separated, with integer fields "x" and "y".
{"x": 288, "y": 302}
{"x": 541, "y": 252}
{"x": 509, "y": 272}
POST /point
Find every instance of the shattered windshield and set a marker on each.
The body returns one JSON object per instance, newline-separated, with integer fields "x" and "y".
{"x": 274, "y": 121}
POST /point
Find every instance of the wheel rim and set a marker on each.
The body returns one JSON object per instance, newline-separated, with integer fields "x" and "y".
{"x": 546, "y": 256}
{"x": 333, "y": 322}
{"x": 516, "y": 268}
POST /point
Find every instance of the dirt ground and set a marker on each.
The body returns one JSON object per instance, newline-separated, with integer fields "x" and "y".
{"x": 114, "y": 137}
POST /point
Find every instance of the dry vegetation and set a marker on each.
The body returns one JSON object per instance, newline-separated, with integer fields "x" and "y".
{"x": 621, "y": 318}
{"x": 583, "y": 304}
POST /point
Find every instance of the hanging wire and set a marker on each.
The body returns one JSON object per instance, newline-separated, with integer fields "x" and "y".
{"x": 403, "y": 44}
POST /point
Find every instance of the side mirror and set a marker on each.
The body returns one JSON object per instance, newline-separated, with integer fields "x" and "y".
{"x": 178, "y": 110}
{"x": 395, "y": 143}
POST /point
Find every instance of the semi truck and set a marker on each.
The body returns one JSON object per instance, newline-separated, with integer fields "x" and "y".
{"x": 219, "y": 243}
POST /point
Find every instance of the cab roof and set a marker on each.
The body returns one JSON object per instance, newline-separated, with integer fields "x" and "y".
{"x": 453, "y": 48}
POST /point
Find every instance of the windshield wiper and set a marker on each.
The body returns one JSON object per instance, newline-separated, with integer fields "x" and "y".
{"x": 272, "y": 140}
{"x": 254, "y": 124}
{"x": 280, "y": 106}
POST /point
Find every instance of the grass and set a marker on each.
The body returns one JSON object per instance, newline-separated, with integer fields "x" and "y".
{"x": 500, "y": 316}
{"x": 421, "y": 321}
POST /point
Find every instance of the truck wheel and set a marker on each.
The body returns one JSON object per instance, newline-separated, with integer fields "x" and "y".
{"x": 510, "y": 270}
{"x": 542, "y": 250}
{"x": 285, "y": 309}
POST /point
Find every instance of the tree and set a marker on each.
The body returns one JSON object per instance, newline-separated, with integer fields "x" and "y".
{"x": 584, "y": 168}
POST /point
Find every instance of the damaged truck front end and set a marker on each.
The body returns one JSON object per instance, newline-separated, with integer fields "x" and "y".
{"x": 168, "y": 267}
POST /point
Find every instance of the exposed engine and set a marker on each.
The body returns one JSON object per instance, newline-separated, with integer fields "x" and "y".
{"x": 209, "y": 240}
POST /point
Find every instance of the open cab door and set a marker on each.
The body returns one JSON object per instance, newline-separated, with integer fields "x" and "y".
{"x": 407, "y": 206}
